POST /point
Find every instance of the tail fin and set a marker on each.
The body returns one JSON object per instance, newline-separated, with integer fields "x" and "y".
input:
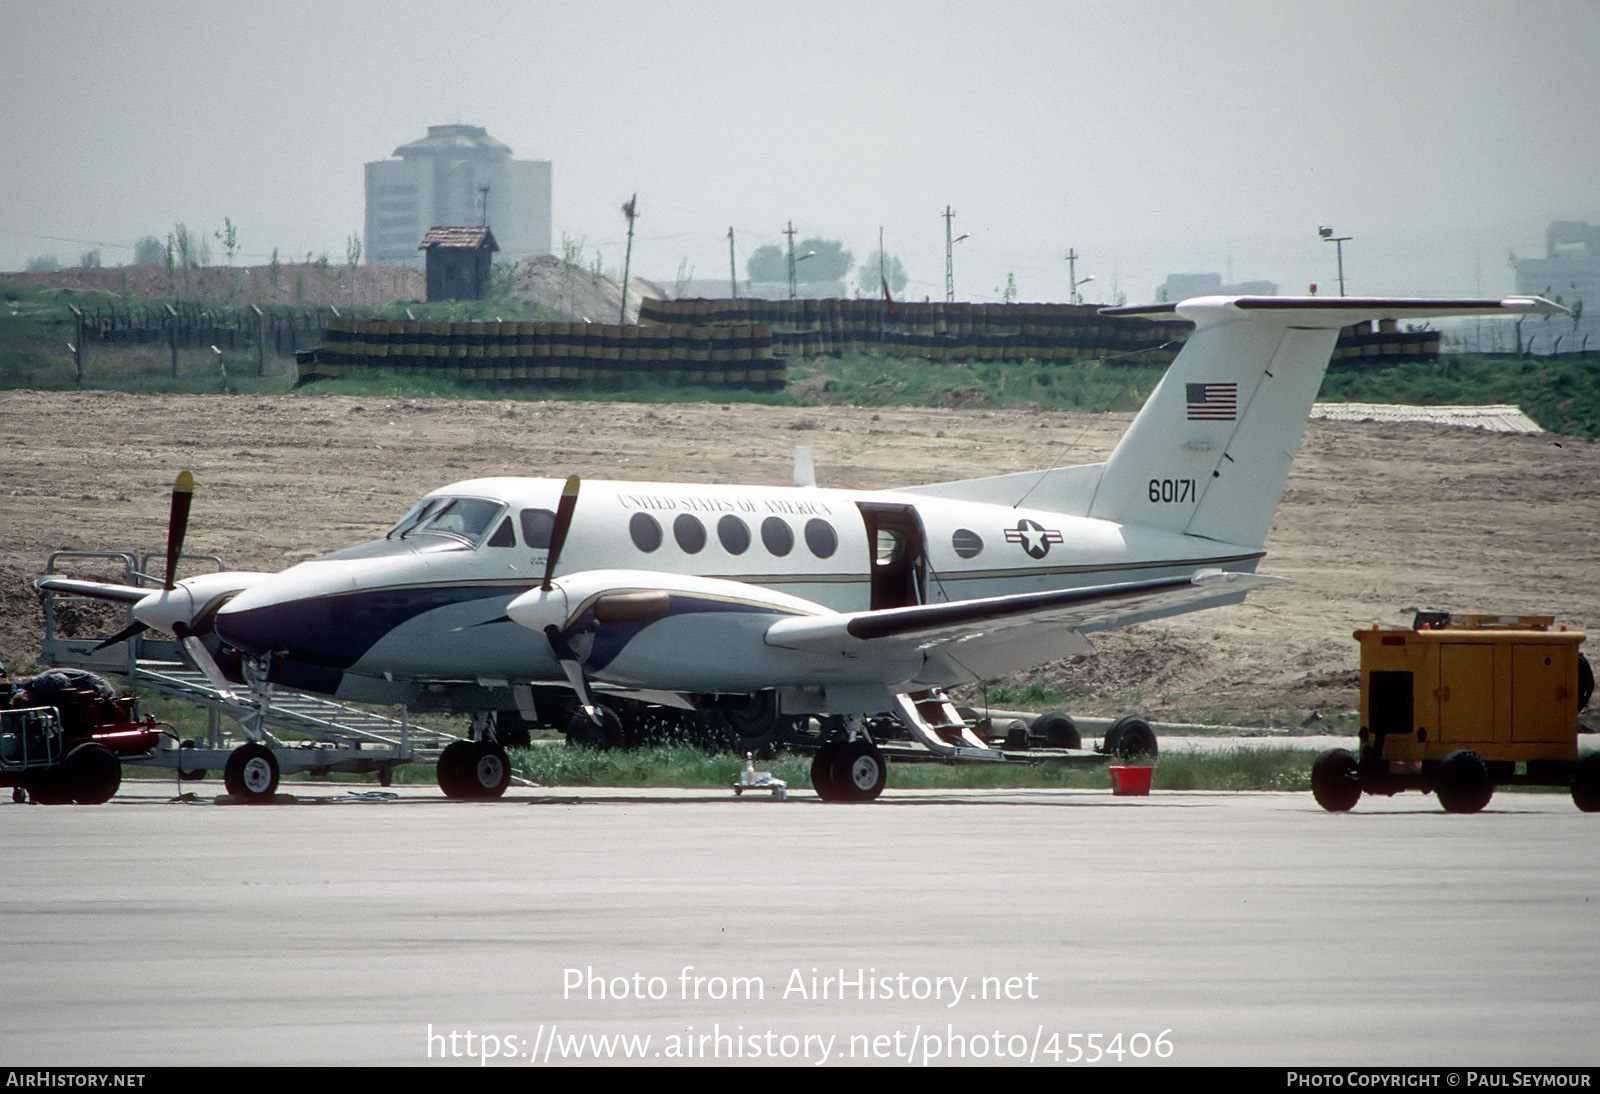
{"x": 1210, "y": 450}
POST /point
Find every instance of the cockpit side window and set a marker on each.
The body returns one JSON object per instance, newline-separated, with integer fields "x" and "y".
{"x": 503, "y": 536}
{"x": 537, "y": 525}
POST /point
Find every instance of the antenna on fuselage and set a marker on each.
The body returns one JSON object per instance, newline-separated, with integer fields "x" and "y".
{"x": 805, "y": 467}
{"x": 558, "y": 534}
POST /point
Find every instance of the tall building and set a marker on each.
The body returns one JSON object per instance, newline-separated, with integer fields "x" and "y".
{"x": 448, "y": 178}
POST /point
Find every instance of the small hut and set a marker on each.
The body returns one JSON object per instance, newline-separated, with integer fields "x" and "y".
{"x": 458, "y": 262}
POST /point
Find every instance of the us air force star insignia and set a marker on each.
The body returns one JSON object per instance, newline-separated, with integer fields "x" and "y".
{"x": 1034, "y": 537}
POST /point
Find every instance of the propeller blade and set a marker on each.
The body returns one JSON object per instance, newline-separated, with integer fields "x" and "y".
{"x": 123, "y": 635}
{"x": 558, "y": 534}
{"x": 178, "y": 523}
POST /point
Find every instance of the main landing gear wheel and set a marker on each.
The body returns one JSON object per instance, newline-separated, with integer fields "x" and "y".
{"x": 1462, "y": 782}
{"x": 486, "y": 772}
{"x": 849, "y": 771}
{"x": 451, "y": 769}
{"x": 1335, "y": 782}
{"x": 1129, "y": 738}
{"x": 583, "y": 732}
{"x": 251, "y": 773}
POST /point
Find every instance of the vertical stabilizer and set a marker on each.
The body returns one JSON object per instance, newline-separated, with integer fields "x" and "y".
{"x": 1209, "y": 452}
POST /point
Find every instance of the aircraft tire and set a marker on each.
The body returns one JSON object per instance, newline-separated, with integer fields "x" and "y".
{"x": 91, "y": 774}
{"x": 487, "y": 771}
{"x": 451, "y": 767}
{"x": 1056, "y": 730}
{"x": 1335, "y": 783}
{"x": 859, "y": 771}
{"x": 1131, "y": 737}
{"x": 608, "y": 735}
{"x": 1586, "y": 783}
{"x": 1462, "y": 782}
{"x": 251, "y": 773}
{"x": 822, "y": 771}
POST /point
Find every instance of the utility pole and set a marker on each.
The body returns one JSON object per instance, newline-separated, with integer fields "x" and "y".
{"x": 1072, "y": 275}
{"x": 630, "y": 209}
{"x": 733, "y": 270}
{"x": 789, "y": 231}
{"x": 949, "y": 258}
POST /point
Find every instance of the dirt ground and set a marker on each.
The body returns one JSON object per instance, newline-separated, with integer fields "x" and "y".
{"x": 1376, "y": 520}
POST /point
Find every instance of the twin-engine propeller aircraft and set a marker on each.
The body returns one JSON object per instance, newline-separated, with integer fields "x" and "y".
{"x": 568, "y": 602}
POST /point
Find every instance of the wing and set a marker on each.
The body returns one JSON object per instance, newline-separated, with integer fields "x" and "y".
{"x": 971, "y": 640}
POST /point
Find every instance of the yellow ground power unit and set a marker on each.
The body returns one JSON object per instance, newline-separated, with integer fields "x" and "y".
{"x": 1459, "y": 704}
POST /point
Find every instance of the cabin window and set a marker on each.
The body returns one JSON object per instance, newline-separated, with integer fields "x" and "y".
{"x": 734, "y": 535}
{"x": 891, "y": 546}
{"x": 821, "y": 538}
{"x": 503, "y": 535}
{"x": 537, "y": 524}
{"x": 777, "y": 536}
{"x": 689, "y": 532}
{"x": 645, "y": 531}
{"x": 967, "y": 543}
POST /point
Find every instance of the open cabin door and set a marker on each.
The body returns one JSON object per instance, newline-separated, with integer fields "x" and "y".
{"x": 899, "y": 567}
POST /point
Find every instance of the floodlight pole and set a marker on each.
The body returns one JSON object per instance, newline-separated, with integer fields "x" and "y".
{"x": 949, "y": 258}
{"x": 1338, "y": 242}
{"x": 789, "y": 231}
{"x": 733, "y": 270}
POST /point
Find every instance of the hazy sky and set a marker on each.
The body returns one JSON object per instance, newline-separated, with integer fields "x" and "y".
{"x": 1153, "y": 137}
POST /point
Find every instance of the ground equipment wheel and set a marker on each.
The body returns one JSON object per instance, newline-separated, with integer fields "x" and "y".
{"x": 1586, "y": 782}
{"x": 755, "y": 726}
{"x": 583, "y": 732}
{"x": 1131, "y": 737}
{"x": 487, "y": 770}
{"x": 1462, "y": 782}
{"x": 1057, "y": 730}
{"x": 251, "y": 773}
{"x": 451, "y": 770}
{"x": 1335, "y": 782}
{"x": 91, "y": 774}
{"x": 859, "y": 772}
{"x": 822, "y": 771}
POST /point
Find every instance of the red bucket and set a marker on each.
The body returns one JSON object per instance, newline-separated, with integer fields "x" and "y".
{"x": 1130, "y": 781}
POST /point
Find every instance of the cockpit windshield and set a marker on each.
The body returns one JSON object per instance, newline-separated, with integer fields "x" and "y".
{"x": 462, "y": 518}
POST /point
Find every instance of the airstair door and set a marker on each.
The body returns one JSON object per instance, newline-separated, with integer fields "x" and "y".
{"x": 899, "y": 565}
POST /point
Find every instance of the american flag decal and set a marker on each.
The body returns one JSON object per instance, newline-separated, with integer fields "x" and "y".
{"x": 1212, "y": 402}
